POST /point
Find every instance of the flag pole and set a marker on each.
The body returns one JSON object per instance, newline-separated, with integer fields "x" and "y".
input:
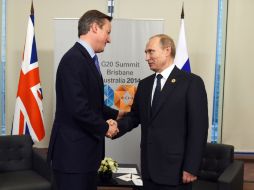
{"x": 28, "y": 115}
{"x": 182, "y": 58}
{"x": 182, "y": 14}
{"x": 32, "y": 8}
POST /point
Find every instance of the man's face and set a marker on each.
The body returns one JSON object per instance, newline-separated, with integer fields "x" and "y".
{"x": 103, "y": 36}
{"x": 156, "y": 56}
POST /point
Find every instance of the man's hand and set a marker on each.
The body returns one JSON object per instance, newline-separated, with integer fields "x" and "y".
{"x": 188, "y": 177}
{"x": 113, "y": 129}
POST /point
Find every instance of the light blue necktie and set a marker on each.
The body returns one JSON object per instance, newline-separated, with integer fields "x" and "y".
{"x": 97, "y": 64}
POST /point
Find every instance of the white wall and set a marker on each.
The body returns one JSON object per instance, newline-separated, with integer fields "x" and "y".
{"x": 238, "y": 123}
{"x": 200, "y": 23}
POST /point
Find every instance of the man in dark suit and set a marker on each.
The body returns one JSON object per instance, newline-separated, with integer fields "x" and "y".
{"x": 171, "y": 106}
{"x": 78, "y": 134}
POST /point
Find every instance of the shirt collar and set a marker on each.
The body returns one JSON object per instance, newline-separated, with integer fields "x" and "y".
{"x": 87, "y": 47}
{"x": 166, "y": 72}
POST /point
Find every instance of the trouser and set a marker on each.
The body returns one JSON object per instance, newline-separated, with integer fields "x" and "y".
{"x": 148, "y": 184}
{"x": 77, "y": 181}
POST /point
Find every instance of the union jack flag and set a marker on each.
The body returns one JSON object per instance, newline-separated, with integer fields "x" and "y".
{"x": 28, "y": 116}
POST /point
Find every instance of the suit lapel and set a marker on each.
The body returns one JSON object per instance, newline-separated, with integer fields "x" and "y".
{"x": 167, "y": 90}
{"x": 148, "y": 95}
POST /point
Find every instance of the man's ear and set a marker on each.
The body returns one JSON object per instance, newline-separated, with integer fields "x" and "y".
{"x": 94, "y": 27}
{"x": 168, "y": 50}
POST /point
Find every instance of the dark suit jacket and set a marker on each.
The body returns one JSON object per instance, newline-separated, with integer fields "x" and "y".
{"x": 77, "y": 138}
{"x": 174, "y": 135}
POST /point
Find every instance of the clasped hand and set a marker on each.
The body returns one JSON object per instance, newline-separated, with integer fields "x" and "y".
{"x": 113, "y": 129}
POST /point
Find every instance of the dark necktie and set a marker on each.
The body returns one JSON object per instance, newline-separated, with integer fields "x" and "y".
{"x": 157, "y": 91}
{"x": 96, "y": 61}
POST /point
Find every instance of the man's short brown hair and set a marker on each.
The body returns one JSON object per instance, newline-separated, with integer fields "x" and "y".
{"x": 90, "y": 17}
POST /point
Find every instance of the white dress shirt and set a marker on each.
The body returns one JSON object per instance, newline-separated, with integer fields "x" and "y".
{"x": 165, "y": 74}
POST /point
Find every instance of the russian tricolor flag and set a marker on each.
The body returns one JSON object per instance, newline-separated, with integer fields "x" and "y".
{"x": 182, "y": 58}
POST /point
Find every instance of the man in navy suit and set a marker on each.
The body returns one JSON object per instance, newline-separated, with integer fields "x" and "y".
{"x": 78, "y": 134}
{"x": 171, "y": 106}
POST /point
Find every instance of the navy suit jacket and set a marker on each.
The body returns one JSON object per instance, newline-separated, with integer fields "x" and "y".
{"x": 174, "y": 135}
{"x": 78, "y": 134}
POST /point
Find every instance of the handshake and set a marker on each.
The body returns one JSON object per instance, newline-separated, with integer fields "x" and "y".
{"x": 113, "y": 128}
